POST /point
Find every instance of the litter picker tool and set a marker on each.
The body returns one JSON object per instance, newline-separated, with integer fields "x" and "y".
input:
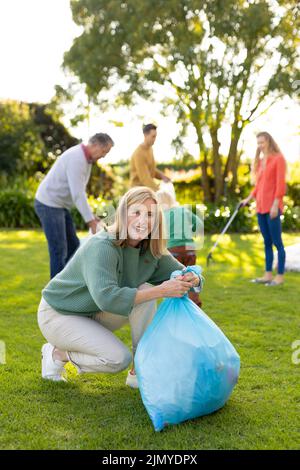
{"x": 209, "y": 256}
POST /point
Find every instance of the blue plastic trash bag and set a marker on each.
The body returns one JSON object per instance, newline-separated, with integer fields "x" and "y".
{"x": 185, "y": 365}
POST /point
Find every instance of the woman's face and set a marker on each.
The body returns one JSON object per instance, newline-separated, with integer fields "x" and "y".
{"x": 141, "y": 218}
{"x": 262, "y": 144}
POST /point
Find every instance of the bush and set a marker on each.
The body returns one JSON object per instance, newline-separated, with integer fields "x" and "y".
{"x": 291, "y": 217}
{"x": 31, "y": 138}
{"x": 216, "y": 217}
{"x": 20, "y": 143}
{"x": 17, "y": 211}
{"x": 293, "y": 192}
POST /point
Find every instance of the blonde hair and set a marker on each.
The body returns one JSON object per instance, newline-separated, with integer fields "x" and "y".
{"x": 156, "y": 239}
{"x": 165, "y": 198}
{"x": 273, "y": 147}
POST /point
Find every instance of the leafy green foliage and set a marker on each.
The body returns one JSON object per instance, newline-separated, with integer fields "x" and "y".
{"x": 56, "y": 138}
{"x": 20, "y": 142}
{"x": 17, "y": 210}
{"x": 31, "y": 138}
{"x": 207, "y": 58}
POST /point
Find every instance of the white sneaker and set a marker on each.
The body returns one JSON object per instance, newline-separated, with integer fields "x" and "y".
{"x": 51, "y": 370}
{"x": 132, "y": 380}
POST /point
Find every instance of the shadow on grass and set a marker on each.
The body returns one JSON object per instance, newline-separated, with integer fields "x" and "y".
{"x": 117, "y": 404}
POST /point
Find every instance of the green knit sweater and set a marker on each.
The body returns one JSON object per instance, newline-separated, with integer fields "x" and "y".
{"x": 103, "y": 276}
{"x": 182, "y": 225}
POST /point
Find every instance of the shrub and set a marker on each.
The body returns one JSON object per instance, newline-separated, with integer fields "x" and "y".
{"x": 17, "y": 211}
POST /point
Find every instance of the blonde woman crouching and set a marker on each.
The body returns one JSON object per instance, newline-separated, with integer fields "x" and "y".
{"x": 114, "y": 278}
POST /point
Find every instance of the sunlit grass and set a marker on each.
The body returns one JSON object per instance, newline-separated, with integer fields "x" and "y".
{"x": 99, "y": 412}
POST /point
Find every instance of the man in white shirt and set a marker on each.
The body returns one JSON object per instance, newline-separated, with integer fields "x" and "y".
{"x": 63, "y": 188}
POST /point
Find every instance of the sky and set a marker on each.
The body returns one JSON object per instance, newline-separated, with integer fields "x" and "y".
{"x": 34, "y": 34}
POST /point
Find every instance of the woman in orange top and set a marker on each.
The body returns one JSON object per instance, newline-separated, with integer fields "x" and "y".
{"x": 269, "y": 171}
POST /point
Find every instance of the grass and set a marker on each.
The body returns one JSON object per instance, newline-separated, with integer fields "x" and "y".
{"x": 99, "y": 412}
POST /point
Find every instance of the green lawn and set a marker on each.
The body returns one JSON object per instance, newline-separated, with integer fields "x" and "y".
{"x": 100, "y": 412}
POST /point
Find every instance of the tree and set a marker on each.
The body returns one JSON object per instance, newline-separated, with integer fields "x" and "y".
{"x": 31, "y": 138}
{"x": 56, "y": 138}
{"x": 216, "y": 62}
{"x": 20, "y": 142}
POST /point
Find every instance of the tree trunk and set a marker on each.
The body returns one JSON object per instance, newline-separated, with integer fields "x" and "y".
{"x": 203, "y": 164}
{"x": 235, "y": 172}
{"x": 231, "y": 166}
{"x": 216, "y": 165}
{"x": 205, "y": 181}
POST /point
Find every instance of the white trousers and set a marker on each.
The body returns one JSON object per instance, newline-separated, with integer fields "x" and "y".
{"x": 89, "y": 342}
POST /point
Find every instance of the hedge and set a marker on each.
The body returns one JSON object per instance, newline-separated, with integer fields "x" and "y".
{"x": 17, "y": 211}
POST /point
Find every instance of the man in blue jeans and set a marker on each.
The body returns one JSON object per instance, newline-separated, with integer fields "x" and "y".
{"x": 63, "y": 188}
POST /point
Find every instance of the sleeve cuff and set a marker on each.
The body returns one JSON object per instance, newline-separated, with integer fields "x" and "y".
{"x": 87, "y": 217}
{"x": 200, "y": 287}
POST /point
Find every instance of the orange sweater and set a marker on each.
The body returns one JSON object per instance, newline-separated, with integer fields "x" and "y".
{"x": 143, "y": 168}
{"x": 270, "y": 184}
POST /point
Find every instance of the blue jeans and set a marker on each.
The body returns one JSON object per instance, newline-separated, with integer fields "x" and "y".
{"x": 271, "y": 232}
{"x": 60, "y": 232}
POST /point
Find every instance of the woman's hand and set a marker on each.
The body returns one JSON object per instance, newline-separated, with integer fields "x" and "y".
{"x": 166, "y": 179}
{"x": 175, "y": 287}
{"x": 274, "y": 210}
{"x": 190, "y": 277}
{"x": 244, "y": 202}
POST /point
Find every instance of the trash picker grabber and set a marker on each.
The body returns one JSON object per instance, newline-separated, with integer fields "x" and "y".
{"x": 209, "y": 256}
